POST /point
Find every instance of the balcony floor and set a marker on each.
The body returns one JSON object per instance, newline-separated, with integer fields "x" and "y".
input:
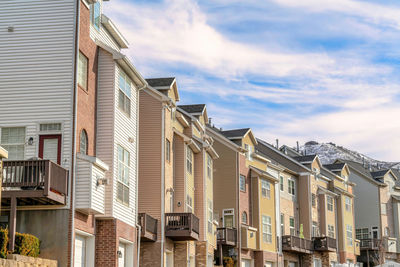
{"x": 31, "y": 197}
{"x": 182, "y": 235}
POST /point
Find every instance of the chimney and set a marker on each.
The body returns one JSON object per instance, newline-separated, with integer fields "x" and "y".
{"x": 298, "y": 147}
{"x": 363, "y": 162}
{"x": 220, "y": 128}
{"x": 209, "y": 121}
{"x": 277, "y": 143}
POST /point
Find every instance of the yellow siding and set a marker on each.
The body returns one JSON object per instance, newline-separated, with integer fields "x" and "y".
{"x": 209, "y": 194}
{"x": 267, "y": 207}
{"x": 196, "y": 132}
{"x": 348, "y": 219}
{"x": 190, "y": 180}
{"x": 178, "y": 126}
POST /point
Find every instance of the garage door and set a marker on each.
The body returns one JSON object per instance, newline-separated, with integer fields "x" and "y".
{"x": 80, "y": 251}
{"x": 122, "y": 255}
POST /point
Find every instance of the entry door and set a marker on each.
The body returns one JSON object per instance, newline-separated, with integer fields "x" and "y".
{"x": 228, "y": 221}
{"x": 246, "y": 263}
{"x": 121, "y": 259}
{"x": 80, "y": 251}
{"x": 169, "y": 259}
{"x": 292, "y": 264}
{"x": 317, "y": 263}
{"x": 50, "y": 147}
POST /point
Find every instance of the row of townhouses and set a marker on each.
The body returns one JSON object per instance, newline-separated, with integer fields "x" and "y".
{"x": 106, "y": 169}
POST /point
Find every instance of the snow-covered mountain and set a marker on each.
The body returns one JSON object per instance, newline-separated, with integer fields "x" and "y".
{"x": 329, "y": 152}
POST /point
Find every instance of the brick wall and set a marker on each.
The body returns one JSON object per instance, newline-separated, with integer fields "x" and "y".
{"x": 106, "y": 243}
{"x": 86, "y": 223}
{"x": 201, "y": 254}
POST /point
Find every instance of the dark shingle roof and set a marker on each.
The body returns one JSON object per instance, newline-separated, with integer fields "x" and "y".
{"x": 360, "y": 169}
{"x": 379, "y": 174}
{"x": 307, "y": 158}
{"x": 235, "y": 133}
{"x": 160, "y": 82}
{"x": 335, "y": 166}
{"x": 197, "y": 108}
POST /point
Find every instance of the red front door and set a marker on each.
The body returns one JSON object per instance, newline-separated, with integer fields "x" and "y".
{"x": 50, "y": 147}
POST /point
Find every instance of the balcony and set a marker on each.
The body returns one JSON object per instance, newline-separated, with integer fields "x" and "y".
{"x": 325, "y": 244}
{"x": 248, "y": 237}
{"x": 296, "y": 244}
{"x": 370, "y": 244}
{"x": 149, "y": 227}
{"x": 90, "y": 184}
{"x": 226, "y": 236}
{"x": 34, "y": 182}
{"x": 182, "y": 226}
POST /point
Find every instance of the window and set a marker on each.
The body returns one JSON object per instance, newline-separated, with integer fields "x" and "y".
{"x": 168, "y": 150}
{"x": 82, "y": 71}
{"x": 95, "y": 15}
{"x": 83, "y": 144}
{"x": 317, "y": 263}
{"x": 189, "y": 160}
{"x": 266, "y": 229}
{"x": 248, "y": 153}
{"x": 349, "y": 235}
{"x": 242, "y": 183}
{"x": 282, "y": 183}
{"x": 383, "y": 208}
{"x": 292, "y": 226}
{"x": 123, "y": 175}
{"x": 265, "y": 188}
{"x": 210, "y": 217}
{"x": 331, "y": 231}
{"x": 329, "y": 203}
{"x": 348, "y": 203}
{"x": 50, "y": 127}
{"x": 13, "y": 140}
{"x": 362, "y": 233}
{"x": 313, "y": 200}
{"x": 244, "y": 217}
{"x": 209, "y": 166}
{"x": 124, "y": 97}
{"x": 282, "y": 224}
{"x": 291, "y": 187}
{"x": 189, "y": 204}
{"x": 387, "y": 231}
{"x": 315, "y": 230}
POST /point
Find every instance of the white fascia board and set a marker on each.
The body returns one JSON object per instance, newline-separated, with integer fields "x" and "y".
{"x": 224, "y": 140}
{"x": 94, "y": 160}
{"x": 113, "y": 30}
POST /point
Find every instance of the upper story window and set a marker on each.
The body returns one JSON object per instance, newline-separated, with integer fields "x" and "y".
{"x": 282, "y": 224}
{"x": 83, "y": 71}
{"x": 210, "y": 217}
{"x": 242, "y": 183}
{"x": 265, "y": 188}
{"x": 248, "y": 153}
{"x": 292, "y": 226}
{"x": 189, "y": 160}
{"x": 331, "y": 231}
{"x": 281, "y": 183}
{"x": 313, "y": 200}
{"x": 266, "y": 229}
{"x": 349, "y": 234}
{"x": 50, "y": 127}
{"x": 362, "y": 233}
{"x": 387, "y": 231}
{"x": 167, "y": 150}
{"x": 83, "y": 144}
{"x": 13, "y": 140}
{"x": 291, "y": 187}
{"x": 348, "y": 203}
{"x": 329, "y": 203}
{"x": 244, "y": 217}
{"x": 383, "y": 208}
{"x": 189, "y": 204}
{"x": 209, "y": 166}
{"x": 315, "y": 229}
{"x": 95, "y": 14}
{"x": 124, "y": 97}
{"x": 123, "y": 175}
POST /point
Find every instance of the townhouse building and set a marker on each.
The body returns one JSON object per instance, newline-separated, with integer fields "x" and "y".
{"x": 69, "y": 121}
{"x": 176, "y": 178}
{"x": 317, "y": 218}
{"x": 245, "y": 197}
{"x": 376, "y": 211}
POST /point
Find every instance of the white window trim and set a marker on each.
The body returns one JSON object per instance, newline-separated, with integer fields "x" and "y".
{"x": 267, "y": 188}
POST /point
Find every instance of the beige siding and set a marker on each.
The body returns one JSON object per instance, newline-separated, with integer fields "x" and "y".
{"x": 179, "y": 175}
{"x": 200, "y": 198}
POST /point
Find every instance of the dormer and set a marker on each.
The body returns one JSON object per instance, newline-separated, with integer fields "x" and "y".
{"x": 244, "y": 138}
{"x": 166, "y": 85}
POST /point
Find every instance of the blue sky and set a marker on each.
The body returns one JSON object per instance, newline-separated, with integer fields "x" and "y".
{"x": 294, "y": 70}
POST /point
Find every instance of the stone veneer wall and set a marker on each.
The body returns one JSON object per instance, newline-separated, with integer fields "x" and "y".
{"x": 201, "y": 254}
{"x": 14, "y": 260}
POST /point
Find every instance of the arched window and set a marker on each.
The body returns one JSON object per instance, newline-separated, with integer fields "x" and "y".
{"x": 83, "y": 147}
{"x": 387, "y": 231}
{"x": 244, "y": 217}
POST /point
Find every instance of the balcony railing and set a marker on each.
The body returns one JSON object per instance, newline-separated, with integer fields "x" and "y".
{"x": 296, "y": 244}
{"x": 149, "y": 227}
{"x": 370, "y": 244}
{"x": 227, "y": 236}
{"x": 324, "y": 243}
{"x": 182, "y": 226}
{"x": 43, "y": 180}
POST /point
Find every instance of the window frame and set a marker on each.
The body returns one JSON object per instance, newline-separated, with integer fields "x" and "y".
{"x": 347, "y": 203}
{"x": 313, "y": 200}
{"x": 349, "y": 235}
{"x": 209, "y": 167}
{"x": 242, "y": 182}
{"x": 123, "y": 82}
{"x": 189, "y": 203}
{"x": 331, "y": 231}
{"x": 329, "y": 206}
{"x": 315, "y": 229}
{"x": 189, "y": 160}
{"x": 120, "y": 182}
{"x": 266, "y": 189}
{"x": 362, "y": 233}
{"x": 210, "y": 216}
{"x": 282, "y": 224}
{"x": 282, "y": 183}
{"x": 93, "y": 22}
{"x": 244, "y": 215}
{"x": 266, "y": 229}
{"x": 85, "y": 86}
{"x": 292, "y": 228}
{"x": 20, "y": 145}
{"x": 292, "y": 186}
{"x": 167, "y": 150}
{"x": 84, "y": 134}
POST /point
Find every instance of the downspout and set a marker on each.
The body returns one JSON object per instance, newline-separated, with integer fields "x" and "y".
{"x": 239, "y": 228}
{"x": 337, "y": 227}
{"x": 137, "y": 171}
{"x": 278, "y": 219}
{"x": 74, "y": 126}
{"x": 162, "y": 183}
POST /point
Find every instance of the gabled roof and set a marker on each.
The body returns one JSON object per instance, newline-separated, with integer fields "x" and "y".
{"x": 335, "y": 166}
{"x": 161, "y": 82}
{"x": 359, "y": 168}
{"x": 305, "y": 159}
{"x": 192, "y": 109}
{"x": 239, "y": 134}
{"x": 379, "y": 174}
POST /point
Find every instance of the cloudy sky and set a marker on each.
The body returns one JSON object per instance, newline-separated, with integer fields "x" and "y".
{"x": 294, "y": 70}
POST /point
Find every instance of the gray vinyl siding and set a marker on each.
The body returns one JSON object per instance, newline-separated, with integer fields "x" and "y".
{"x": 36, "y": 70}
{"x": 105, "y": 120}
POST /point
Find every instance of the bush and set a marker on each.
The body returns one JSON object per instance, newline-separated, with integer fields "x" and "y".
{"x": 27, "y": 245}
{"x": 3, "y": 242}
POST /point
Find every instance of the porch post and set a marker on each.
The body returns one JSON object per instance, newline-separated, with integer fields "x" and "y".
{"x": 12, "y": 226}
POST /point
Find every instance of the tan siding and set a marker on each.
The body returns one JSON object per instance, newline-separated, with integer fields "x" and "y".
{"x": 304, "y": 205}
{"x": 179, "y": 175}
{"x": 200, "y": 201}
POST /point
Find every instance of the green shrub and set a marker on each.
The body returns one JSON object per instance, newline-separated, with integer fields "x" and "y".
{"x": 27, "y": 245}
{"x": 3, "y": 242}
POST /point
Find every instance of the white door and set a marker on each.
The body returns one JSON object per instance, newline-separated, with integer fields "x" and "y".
{"x": 122, "y": 255}
{"x": 169, "y": 259}
{"x": 317, "y": 263}
{"x": 246, "y": 263}
{"x": 192, "y": 261}
{"x": 268, "y": 264}
{"x": 80, "y": 251}
{"x": 292, "y": 264}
